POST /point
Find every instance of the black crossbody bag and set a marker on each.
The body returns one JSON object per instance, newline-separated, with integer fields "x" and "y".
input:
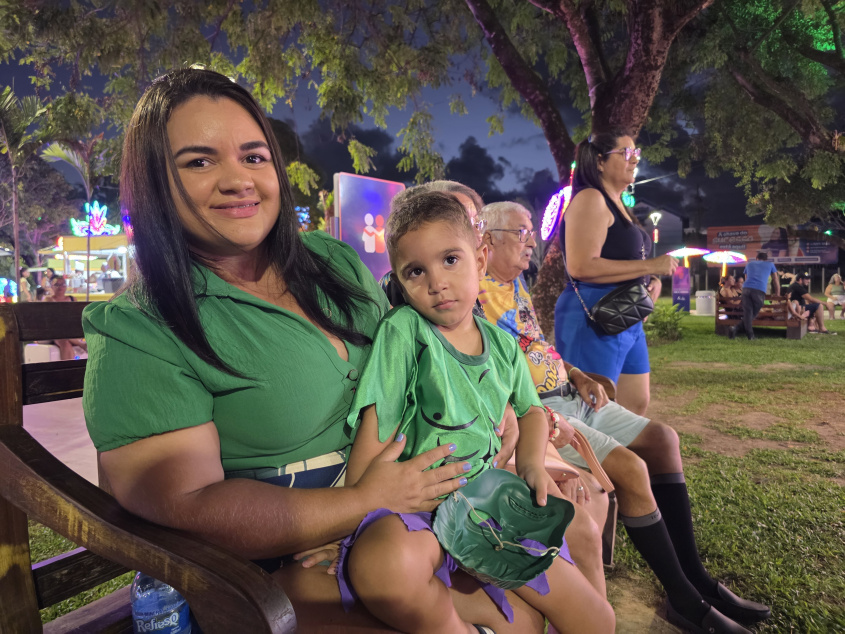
{"x": 623, "y": 307}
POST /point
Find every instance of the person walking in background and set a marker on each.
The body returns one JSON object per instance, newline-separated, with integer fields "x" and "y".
{"x": 835, "y": 293}
{"x": 46, "y": 281}
{"x": 24, "y": 289}
{"x": 757, "y": 274}
{"x": 604, "y": 246}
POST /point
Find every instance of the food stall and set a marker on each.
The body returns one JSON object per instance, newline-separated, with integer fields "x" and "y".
{"x": 69, "y": 256}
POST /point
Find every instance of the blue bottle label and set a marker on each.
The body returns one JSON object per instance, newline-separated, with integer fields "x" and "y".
{"x": 176, "y": 622}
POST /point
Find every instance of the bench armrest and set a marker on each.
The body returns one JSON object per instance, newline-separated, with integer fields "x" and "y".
{"x": 225, "y": 592}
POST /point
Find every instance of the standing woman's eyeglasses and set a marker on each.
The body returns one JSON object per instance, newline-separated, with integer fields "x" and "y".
{"x": 628, "y": 152}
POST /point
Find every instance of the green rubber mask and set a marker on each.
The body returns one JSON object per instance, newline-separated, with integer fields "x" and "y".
{"x": 494, "y": 529}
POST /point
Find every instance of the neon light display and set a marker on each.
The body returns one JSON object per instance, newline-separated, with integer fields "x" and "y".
{"x": 557, "y": 205}
{"x": 94, "y": 223}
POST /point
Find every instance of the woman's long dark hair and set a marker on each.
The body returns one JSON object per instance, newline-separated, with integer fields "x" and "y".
{"x": 588, "y": 153}
{"x": 164, "y": 285}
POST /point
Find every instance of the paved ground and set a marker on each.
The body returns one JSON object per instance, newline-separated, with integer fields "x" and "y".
{"x": 60, "y": 428}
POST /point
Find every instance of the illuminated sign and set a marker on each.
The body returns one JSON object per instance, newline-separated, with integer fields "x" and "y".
{"x": 557, "y": 205}
{"x": 94, "y": 223}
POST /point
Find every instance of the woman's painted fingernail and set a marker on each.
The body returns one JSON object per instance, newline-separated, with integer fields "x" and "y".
{"x": 498, "y": 430}
{"x": 467, "y": 466}
{"x": 452, "y": 447}
{"x": 495, "y": 463}
{"x": 462, "y": 482}
{"x": 400, "y": 437}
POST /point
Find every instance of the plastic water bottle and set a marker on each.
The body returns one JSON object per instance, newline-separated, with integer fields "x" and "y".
{"x": 158, "y": 607}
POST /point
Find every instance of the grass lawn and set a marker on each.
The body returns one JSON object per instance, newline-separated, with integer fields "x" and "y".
{"x": 762, "y": 435}
{"x": 767, "y": 486}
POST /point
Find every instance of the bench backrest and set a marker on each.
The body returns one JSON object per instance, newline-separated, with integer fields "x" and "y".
{"x": 25, "y": 588}
{"x": 226, "y": 593}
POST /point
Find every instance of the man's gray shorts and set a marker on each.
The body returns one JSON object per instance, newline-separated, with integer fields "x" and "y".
{"x": 612, "y": 426}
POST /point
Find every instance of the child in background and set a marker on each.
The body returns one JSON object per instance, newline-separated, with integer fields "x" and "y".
{"x": 437, "y": 375}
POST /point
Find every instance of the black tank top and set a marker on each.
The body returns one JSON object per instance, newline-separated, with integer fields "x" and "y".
{"x": 625, "y": 240}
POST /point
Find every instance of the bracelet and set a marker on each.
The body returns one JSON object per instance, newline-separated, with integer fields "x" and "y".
{"x": 555, "y": 432}
{"x": 569, "y": 374}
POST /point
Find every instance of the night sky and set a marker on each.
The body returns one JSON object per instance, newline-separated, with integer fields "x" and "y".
{"x": 514, "y": 164}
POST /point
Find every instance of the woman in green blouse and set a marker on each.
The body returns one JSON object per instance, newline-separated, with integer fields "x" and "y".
{"x": 243, "y": 339}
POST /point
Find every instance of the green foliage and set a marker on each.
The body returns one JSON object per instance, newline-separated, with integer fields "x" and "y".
{"x": 361, "y": 156}
{"x": 664, "y": 324}
{"x": 20, "y": 135}
{"x": 824, "y": 168}
{"x": 378, "y": 57}
{"x": 302, "y": 176}
{"x": 417, "y": 141}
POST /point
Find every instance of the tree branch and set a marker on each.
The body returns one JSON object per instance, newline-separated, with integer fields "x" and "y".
{"x": 212, "y": 39}
{"x": 676, "y": 13}
{"x": 775, "y": 25}
{"x": 590, "y": 56}
{"x": 826, "y": 58}
{"x": 653, "y": 26}
{"x": 834, "y": 25}
{"x": 527, "y": 84}
{"x": 783, "y": 101}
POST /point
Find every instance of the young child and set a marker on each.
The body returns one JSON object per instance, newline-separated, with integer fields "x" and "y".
{"x": 438, "y": 375}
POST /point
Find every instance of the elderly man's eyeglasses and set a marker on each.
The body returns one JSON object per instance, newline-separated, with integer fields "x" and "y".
{"x": 479, "y": 225}
{"x": 627, "y": 152}
{"x": 522, "y": 234}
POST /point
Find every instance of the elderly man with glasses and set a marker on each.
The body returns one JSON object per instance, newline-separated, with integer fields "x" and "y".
{"x": 640, "y": 456}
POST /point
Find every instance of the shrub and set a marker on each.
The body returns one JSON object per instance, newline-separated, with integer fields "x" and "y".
{"x": 664, "y": 324}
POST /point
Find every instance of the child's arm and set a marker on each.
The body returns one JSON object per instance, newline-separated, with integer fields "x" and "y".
{"x": 531, "y": 454}
{"x": 366, "y": 446}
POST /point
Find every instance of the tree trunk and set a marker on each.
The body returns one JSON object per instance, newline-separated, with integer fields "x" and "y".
{"x": 528, "y": 84}
{"x": 15, "y": 228}
{"x": 622, "y": 102}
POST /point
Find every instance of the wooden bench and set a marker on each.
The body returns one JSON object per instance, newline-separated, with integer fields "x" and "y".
{"x": 774, "y": 314}
{"x": 225, "y": 592}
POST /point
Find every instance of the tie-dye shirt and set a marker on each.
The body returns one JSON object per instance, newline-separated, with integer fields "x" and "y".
{"x": 509, "y": 306}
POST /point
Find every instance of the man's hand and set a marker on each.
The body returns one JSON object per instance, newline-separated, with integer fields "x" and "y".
{"x": 591, "y": 391}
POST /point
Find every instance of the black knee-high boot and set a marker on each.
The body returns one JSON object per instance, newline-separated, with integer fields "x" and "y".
{"x": 670, "y": 493}
{"x": 650, "y": 537}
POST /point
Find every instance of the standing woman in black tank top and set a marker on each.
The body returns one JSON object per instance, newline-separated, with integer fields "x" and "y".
{"x": 605, "y": 246}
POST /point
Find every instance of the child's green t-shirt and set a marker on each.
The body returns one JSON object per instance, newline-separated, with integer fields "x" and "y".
{"x": 437, "y": 395}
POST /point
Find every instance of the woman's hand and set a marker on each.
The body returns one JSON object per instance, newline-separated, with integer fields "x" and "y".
{"x": 329, "y": 552}
{"x": 566, "y": 435}
{"x": 406, "y": 487}
{"x": 508, "y": 430}
{"x": 663, "y": 265}
{"x": 574, "y": 489}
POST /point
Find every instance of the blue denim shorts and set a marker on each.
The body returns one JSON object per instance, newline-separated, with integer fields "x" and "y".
{"x": 580, "y": 344}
